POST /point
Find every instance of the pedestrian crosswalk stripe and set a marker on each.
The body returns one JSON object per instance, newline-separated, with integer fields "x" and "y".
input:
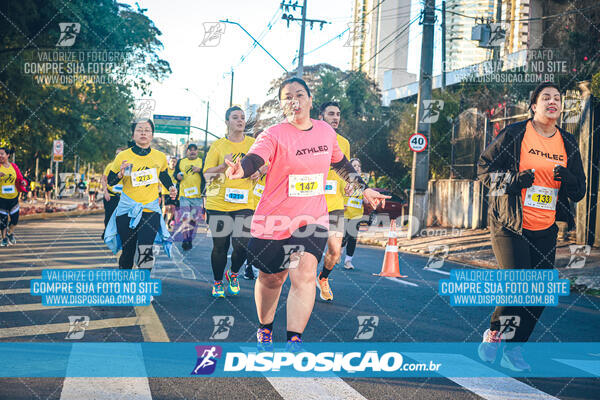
{"x": 489, "y": 388}
{"x": 32, "y": 254}
{"x": 47, "y": 329}
{"x": 30, "y": 307}
{"x": 29, "y": 259}
{"x": 319, "y": 388}
{"x": 19, "y": 278}
{"x": 106, "y": 389}
{"x": 5, "y": 292}
{"x": 39, "y": 268}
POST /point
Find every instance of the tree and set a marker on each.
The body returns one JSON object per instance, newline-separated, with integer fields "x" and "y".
{"x": 92, "y": 117}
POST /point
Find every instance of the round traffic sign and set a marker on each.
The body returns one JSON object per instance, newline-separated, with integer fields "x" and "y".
{"x": 417, "y": 142}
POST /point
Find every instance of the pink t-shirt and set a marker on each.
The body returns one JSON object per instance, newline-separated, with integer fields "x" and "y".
{"x": 298, "y": 165}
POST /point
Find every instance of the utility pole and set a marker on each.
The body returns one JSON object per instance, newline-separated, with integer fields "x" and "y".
{"x": 420, "y": 169}
{"x": 206, "y": 131}
{"x": 289, "y": 17}
{"x": 443, "y": 44}
{"x": 496, "y": 50}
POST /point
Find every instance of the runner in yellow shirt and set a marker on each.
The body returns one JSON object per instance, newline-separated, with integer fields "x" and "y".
{"x": 93, "y": 188}
{"x": 228, "y": 202}
{"x": 334, "y": 188}
{"x": 137, "y": 221}
{"x": 353, "y": 214}
{"x": 188, "y": 172}
{"x": 11, "y": 182}
{"x": 169, "y": 205}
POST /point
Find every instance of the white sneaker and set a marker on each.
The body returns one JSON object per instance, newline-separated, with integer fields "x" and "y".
{"x": 348, "y": 265}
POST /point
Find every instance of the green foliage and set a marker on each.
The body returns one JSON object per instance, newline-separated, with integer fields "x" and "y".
{"x": 92, "y": 118}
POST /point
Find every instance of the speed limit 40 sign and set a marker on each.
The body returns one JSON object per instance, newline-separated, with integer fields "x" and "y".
{"x": 417, "y": 142}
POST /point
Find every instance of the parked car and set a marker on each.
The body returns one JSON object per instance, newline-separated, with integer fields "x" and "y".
{"x": 393, "y": 207}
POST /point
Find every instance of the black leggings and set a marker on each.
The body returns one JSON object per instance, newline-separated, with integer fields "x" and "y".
{"x": 109, "y": 207}
{"x": 351, "y": 235}
{"x": 224, "y": 227}
{"x": 532, "y": 250}
{"x": 7, "y": 211}
{"x": 142, "y": 235}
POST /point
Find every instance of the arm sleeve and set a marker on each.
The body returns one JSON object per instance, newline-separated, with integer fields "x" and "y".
{"x": 165, "y": 179}
{"x": 251, "y": 163}
{"x": 347, "y": 172}
{"x": 17, "y": 172}
{"x": 113, "y": 178}
{"x": 177, "y": 170}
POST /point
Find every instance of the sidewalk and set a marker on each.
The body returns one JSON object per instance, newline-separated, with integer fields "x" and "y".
{"x": 473, "y": 247}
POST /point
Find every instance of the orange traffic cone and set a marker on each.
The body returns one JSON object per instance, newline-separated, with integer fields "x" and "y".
{"x": 391, "y": 263}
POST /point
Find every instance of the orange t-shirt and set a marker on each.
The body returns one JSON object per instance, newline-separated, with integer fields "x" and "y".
{"x": 542, "y": 154}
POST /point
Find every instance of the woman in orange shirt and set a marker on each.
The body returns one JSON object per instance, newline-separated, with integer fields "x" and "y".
{"x": 532, "y": 169}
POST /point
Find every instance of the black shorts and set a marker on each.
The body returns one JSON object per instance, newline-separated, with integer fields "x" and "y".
{"x": 92, "y": 193}
{"x": 273, "y": 256}
{"x": 167, "y": 201}
{"x": 9, "y": 206}
{"x": 336, "y": 221}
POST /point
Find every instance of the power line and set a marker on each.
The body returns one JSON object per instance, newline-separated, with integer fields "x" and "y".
{"x": 403, "y": 29}
{"x": 262, "y": 35}
{"x": 525, "y": 19}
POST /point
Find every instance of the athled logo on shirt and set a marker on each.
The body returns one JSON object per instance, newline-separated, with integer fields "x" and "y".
{"x": 207, "y": 359}
{"x": 556, "y": 157}
{"x": 313, "y": 150}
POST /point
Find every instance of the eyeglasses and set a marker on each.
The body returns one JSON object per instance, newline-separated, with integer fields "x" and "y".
{"x": 144, "y": 130}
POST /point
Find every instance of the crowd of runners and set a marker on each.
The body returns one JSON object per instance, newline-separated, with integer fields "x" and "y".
{"x": 292, "y": 196}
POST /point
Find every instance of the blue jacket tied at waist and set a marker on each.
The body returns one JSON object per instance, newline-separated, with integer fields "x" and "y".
{"x": 134, "y": 210}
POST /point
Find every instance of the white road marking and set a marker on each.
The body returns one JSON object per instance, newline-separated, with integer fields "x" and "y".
{"x": 32, "y": 330}
{"x": 106, "y": 388}
{"x": 402, "y": 281}
{"x": 314, "y": 389}
{"x": 439, "y": 271}
{"x": 493, "y": 388}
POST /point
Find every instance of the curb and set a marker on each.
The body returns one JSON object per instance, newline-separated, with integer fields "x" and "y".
{"x": 74, "y": 213}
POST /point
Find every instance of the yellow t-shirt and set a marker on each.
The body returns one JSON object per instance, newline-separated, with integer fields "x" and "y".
{"x": 334, "y": 188}
{"x": 112, "y": 190}
{"x": 223, "y": 194}
{"x": 142, "y": 184}
{"x": 8, "y": 189}
{"x": 93, "y": 186}
{"x": 257, "y": 191}
{"x": 189, "y": 186}
{"x": 164, "y": 190}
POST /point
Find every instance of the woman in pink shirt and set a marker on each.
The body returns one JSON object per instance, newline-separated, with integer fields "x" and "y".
{"x": 289, "y": 227}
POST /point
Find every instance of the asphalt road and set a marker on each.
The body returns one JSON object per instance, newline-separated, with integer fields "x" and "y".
{"x": 408, "y": 310}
